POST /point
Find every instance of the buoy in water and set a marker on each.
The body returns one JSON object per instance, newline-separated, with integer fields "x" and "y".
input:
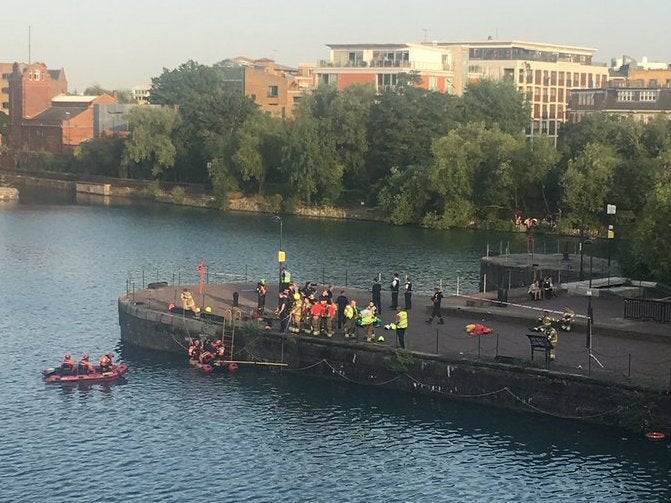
{"x": 655, "y": 435}
{"x": 232, "y": 368}
{"x": 208, "y": 309}
{"x": 171, "y": 307}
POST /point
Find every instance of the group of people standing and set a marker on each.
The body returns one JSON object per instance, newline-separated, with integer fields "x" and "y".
{"x": 305, "y": 310}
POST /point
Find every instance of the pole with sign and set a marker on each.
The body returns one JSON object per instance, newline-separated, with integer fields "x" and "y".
{"x": 611, "y": 209}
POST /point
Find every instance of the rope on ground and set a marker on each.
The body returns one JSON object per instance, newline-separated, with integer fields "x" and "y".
{"x": 512, "y": 304}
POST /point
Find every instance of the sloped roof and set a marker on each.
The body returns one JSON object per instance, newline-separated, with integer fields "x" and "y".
{"x": 55, "y": 116}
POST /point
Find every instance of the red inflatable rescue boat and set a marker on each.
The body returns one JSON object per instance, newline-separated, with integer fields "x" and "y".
{"x": 53, "y": 376}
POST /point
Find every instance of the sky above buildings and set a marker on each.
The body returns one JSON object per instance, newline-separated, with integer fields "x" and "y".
{"x": 127, "y": 42}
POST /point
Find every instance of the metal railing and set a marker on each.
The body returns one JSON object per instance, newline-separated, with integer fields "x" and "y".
{"x": 648, "y": 309}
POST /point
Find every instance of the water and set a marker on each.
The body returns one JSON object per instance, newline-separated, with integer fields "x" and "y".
{"x": 169, "y": 434}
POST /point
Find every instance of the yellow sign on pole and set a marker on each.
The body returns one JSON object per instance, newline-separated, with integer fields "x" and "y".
{"x": 611, "y": 232}
{"x": 281, "y": 256}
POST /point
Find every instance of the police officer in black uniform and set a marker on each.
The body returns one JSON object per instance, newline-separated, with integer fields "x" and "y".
{"x": 408, "y": 293}
{"x": 394, "y": 287}
{"x": 436, "y": 298}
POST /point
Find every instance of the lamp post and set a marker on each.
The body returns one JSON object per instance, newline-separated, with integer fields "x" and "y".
{"x": 281, "y": 256}
{"x": 590, "y": 313}
{"x": 611, "y": 209}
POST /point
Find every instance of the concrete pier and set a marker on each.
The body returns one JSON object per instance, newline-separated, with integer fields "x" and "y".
{"x": 623, "y": 380}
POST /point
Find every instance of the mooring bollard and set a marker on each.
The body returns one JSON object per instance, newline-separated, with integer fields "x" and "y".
{"x": 236, "y": 296}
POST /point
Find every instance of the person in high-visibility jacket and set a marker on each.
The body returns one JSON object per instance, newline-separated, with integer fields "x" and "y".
{"x": 351, "y": 314}
{"x": 367, "y": 321}
{"x": 399, "y": 325}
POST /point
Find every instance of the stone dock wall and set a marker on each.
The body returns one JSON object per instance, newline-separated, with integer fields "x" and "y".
{"x": 497, "y": 384}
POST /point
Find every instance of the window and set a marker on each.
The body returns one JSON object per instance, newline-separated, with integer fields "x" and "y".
{"x": 648, "y": 96}
{"x": 625, "y": 96}
{"x": 433, "y": 83}
{"x": 273, "y": 92}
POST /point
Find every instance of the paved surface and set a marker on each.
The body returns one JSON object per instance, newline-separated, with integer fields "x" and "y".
{"x": 624, "y": 351}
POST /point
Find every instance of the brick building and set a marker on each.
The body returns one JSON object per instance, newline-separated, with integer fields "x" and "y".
{"x": 641, "y": 103}
{"x": 275, "y": 88}
{"x": 30, "y": 91}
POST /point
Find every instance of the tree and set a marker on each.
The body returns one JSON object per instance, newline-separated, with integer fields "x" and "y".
{"x": 496, "y": 102}
{"x": 345, "y": 115}
{"x": 259, "y": 142}
{"x": 149, "y": 150}
{"x": 653, "y": 234}
{"x": 186, "y": 83}
{"x": 100, "y": 156}
{"x": 587, "y": 184}
{"x": 403, "y": 124}
{"x": 122, "y": 95}
{"x": 309, "y": 162}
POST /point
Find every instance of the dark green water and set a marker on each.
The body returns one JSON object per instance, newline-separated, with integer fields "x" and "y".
{"x": 169, "y": 434}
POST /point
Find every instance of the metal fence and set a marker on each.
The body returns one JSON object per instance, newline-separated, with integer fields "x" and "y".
{"x": 648, "y": 309}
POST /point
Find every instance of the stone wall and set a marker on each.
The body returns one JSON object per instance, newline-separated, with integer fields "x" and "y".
{"x": 498, "y": 384}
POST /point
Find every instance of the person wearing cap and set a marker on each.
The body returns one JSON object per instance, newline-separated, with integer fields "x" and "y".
{"x": 106, "y": 362}
{"x": 394, "y": 287}
{"x": 85, "y": 367}
{"x": 341, "y": 302}
{"x": 436, "y": 299}
{"x": 68, "y": 365}
{"x": 261, "y": 290}
{"x": 407, "y": 294}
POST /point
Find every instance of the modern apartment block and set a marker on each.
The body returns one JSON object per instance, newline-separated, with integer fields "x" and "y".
{"x": 5, "y": 70}
{"x": 441, "y": 69}
{"x": 545, "y": 73}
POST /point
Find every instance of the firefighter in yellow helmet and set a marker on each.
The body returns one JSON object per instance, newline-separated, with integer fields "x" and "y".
{"x": 296, "y": 312}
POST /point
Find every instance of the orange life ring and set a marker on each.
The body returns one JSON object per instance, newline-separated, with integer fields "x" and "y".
{"x": 655, "y": 435}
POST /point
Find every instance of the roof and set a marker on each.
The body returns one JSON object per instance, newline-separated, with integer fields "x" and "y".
{"x": 520, "y": 43}
{"x": 67, "y": 98}
{"x": 54, "y": 116}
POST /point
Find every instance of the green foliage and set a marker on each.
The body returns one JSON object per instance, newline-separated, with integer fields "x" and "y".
{"x": 4, "y": 124}
{"x": 150, "y": 150}
{"x": 122, "y": 95}
{"x": 653, "y": 235}
{"x": 310, "y": 163}
{"x": 177, "y": 194}
{"x": 496, "y": 103}
{"x": 402, "y": 126}
{"x": 587, "y": 183}
{"x": 100, "y": 156}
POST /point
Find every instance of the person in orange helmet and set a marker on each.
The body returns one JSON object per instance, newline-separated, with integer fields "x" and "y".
{"x": 106, "y": 362}
{"x": 85, "y": 367}
{"x": 68, "y": 365}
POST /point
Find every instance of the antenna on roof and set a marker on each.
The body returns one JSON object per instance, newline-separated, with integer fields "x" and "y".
{"x": 29, "y": 47}
{"x": 425, "y": 30}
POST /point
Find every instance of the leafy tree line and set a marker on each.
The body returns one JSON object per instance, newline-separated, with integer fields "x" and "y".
{"x": 422, "y": 157}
